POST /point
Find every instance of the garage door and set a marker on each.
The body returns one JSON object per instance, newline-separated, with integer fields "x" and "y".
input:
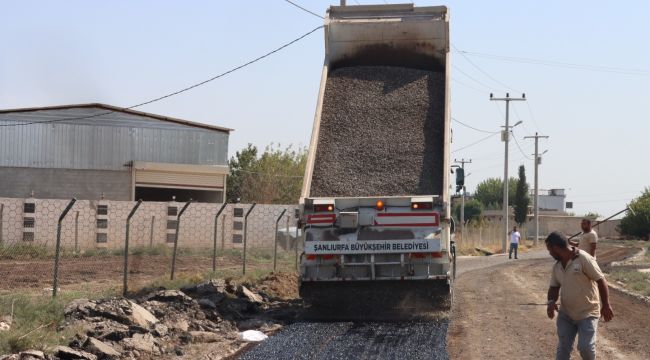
{"x": 180, "y": 176}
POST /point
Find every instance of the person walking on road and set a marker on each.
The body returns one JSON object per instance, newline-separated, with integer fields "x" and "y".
{"x": 515, "y": 237}
{"x": 588, "y": 239}
{"x": 577, "y": 278}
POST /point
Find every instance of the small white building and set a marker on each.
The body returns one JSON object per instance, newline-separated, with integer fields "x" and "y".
{"x": 552, "y": 200}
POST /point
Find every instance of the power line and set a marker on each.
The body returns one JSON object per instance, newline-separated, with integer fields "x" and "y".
{"x": 472, "y": 78}
{"x": 303, "y": 9}
{"x": 474, "y": 143}
{"x": 181, "y": 90}
{"x": 469, "y": 86}
{"x": 523, "y": 123}
{"x": 482, "y": 71}
{"x": 530, "y": 111}
{"x": 552, "y": 63}
{"x": 602, "y": 194}
{"x": 519, "y": 146}
{"x": 473, "y": 128}
{"x": 603, "y": 201}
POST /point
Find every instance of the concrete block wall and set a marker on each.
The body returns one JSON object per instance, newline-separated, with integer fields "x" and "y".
{"x": 570, "y": 225}
{"x": 65, "y": 183}
{"x": 149, "y": 225}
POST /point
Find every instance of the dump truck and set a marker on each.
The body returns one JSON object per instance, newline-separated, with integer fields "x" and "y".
{"x": 375, "y": 202}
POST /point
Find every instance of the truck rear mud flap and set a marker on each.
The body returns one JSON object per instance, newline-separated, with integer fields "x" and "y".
{"x": 388, "y": 300}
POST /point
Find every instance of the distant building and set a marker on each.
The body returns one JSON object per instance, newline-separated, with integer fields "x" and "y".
{"x": 552, "y": 200}
{"x": 89, "y": 150}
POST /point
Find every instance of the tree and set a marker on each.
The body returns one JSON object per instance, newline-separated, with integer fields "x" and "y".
{"x": 275, "y": 177}
{"x": 638, "y": 224}
{"x": 522, "y": 200}
{"x": 473, "y": 210}
{"x": 240, "y": 166}
{"x": 490, "y": 192}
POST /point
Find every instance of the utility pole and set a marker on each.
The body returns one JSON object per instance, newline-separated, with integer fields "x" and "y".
{"x": 505, "y": 137}
{"x": 538, "y": 160}
{"x": 462, "y": 163}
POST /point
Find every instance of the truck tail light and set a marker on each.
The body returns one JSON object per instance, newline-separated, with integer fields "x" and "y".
{"x": 311, "y": 257}
{"x": 423, "y": 255}
{"x": 421, "y": 206}
{"x": 324, "y": 208}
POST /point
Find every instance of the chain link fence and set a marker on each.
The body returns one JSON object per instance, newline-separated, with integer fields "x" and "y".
{"x": 209, "y": 239}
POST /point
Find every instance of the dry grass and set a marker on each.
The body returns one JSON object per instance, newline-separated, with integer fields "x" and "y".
{"x": 632, "y": 280}
{"x": 487, "y": 237}
{"x": 36, "y": 320}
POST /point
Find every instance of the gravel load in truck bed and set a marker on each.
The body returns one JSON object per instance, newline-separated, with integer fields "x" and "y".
{"x": 381, "y": 133}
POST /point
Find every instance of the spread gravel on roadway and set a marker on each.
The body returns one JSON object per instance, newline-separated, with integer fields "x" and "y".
{"x": 347, "y": 340}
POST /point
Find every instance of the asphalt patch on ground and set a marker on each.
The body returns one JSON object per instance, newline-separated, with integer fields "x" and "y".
{"x": 351, "y": 340}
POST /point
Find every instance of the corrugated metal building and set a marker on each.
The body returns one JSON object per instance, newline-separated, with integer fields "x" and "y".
{"x": 92, "y": 149}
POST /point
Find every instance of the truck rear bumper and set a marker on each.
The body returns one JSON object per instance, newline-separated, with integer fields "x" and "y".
{"x": 387, "y": 278}
{"x": 377, "y": 297}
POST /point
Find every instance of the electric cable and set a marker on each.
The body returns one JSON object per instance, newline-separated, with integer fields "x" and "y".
{"x": 473, "y": 128}
{"x": 474, "y": 143}
{"x": 179, "y": 91}
{"x": 519, "y": 146}
{"x": 552, "y": 63}
{"x": 303, "y": 9}
{"x": 482, "y": 71}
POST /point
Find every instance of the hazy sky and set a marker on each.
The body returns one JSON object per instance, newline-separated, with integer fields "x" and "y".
{"x": 123, "y": 53}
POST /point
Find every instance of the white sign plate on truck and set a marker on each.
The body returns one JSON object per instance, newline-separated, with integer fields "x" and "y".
{"x": 372, "y": 247}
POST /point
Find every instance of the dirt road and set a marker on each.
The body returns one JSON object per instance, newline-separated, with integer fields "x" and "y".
{"x": 500, "y": 313}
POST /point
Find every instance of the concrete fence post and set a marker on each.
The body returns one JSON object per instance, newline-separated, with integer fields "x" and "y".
{"x": 223, "y": 232}
{"x": 153, "y": 222}
{"x": 214, "y": 244}
{"x": 57, "y": 254}
{"x": 287, "y": 245}
{"x": 76, "y": 232}
{"x": 275, "y": 239}
{"x": 246, "y": 235}
{"x": 178, "y": 227}
{"x": 297, "y": 241}
{"x": 2, "y": 210}
{"x": 125, "y": 279}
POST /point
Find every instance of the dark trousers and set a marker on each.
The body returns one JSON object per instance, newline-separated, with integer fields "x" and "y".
{"x": 514, "y": 247}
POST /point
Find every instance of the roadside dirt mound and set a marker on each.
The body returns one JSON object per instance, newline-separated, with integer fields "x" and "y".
{"x": 281, "y": 285}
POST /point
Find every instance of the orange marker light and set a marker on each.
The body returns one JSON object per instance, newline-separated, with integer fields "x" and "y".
{"x": 380, "y": 205}
{"x": 330, "y": 208}
{"x": 415, "y": 205}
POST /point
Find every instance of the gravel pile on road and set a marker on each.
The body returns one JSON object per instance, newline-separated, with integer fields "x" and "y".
{"x": 347, "y": 340}
{"x": 381, "y": 133}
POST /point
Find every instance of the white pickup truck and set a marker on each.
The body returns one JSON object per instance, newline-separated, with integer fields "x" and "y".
{"x": 394, "y": 247}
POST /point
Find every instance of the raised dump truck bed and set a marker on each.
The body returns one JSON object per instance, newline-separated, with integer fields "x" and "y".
{"x": 381, "y": 132}
{"x": 375, "y": 198}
